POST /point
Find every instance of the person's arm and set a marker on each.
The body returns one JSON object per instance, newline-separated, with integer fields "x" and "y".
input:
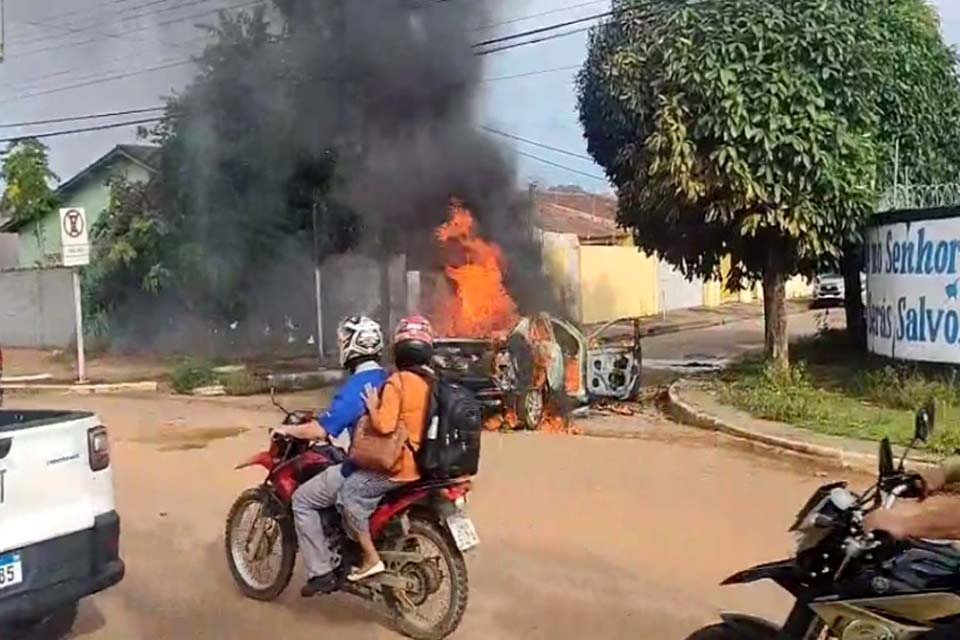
{"x": 937, "y": 518}
{"x": 946, "y": 474}
{"x": 384, "y": 409}
{"x": 309, "y": 431}
{"x": 344, "y": 411}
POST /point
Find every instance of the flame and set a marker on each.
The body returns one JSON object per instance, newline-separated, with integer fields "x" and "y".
{"x": 479, "y": 304}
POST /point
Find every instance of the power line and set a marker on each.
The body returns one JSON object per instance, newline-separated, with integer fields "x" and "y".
{"x": 494, "y": 25}
{"x": 118, "y": 76}
{"x": 66, "y": 132}
{"x": 529, "y": 73}
{"x": 195, "y": 16}
{"x": 95, "y": 19}
{"x": 92, "y": 116}
{"x": 515, "y": 45}
{"x": 552, "y": 27}
{"x": 559, "y": 166}
{"x": 511, "y": 136}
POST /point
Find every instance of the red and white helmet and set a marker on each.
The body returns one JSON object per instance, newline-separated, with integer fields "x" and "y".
{"x": 359, "y": 337}
{"x": 413, "y": 342}
{"x": 413, "y": 328}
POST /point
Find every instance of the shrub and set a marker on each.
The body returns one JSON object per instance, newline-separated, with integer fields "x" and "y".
{"x": 191, "y": 374}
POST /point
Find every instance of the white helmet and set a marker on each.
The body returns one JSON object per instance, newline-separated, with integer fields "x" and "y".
{"x": 359, "y": 337}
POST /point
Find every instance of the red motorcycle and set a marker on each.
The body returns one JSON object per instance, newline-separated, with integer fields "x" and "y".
{"x": 420, "y": 529}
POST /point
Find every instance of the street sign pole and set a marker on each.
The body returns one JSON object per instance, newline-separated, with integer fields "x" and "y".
{"x": 317, "y": 280}
{"x": 75, "y": 242}
{"x": 78, "y": 306}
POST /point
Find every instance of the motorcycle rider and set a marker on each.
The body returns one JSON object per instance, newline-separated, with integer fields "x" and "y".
{"x": 361, "y": 346}
{"x": 937, "y": 518}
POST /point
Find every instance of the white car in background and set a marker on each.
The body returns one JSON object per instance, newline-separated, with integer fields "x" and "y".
{"x": 59, "y": 529}
{"x": 829, "y": 290}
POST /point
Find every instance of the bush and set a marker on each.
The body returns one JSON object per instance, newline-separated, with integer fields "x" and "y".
{"x": 242, "y": 383}
{"x": 191, "y": 374}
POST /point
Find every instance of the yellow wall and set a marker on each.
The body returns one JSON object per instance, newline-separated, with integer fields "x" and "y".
{"x": 560, "y": 263}
{"x": 616, "y": 282}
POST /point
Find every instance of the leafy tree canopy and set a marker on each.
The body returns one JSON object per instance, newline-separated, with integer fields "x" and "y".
{"x": 28, "y": 194}
{"x": 763, "y": 130}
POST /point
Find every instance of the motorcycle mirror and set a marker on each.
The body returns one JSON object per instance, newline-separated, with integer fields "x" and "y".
{"x": 886, "y": 458}
{"x": 925, "y": 421}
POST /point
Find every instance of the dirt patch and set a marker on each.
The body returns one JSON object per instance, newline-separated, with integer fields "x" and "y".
{"x": 184, "y": 439}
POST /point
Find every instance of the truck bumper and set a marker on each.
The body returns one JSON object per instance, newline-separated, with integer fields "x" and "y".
{"x": 61, "y": 571}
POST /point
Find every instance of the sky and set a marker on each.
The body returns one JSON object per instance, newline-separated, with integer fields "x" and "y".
{"x": 69, "y": 57}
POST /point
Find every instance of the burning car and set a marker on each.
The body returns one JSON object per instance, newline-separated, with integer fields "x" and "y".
{"x": 545, "y": 366}
{"x": 530, "y": 370}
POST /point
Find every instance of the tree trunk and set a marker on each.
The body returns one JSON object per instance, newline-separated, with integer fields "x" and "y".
{"x": 776, "y": 345}
{"x": 851, "y": 265}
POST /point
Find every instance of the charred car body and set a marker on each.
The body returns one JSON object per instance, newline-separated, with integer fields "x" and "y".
{"x": 546, "y": 361}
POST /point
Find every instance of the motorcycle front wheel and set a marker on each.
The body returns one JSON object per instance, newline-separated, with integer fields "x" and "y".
{"x": 261, "y": 549}
{"x": 433, "y": 608}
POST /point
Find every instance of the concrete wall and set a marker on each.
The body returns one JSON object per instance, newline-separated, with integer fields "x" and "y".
{"x": 351, "y": 284}
{"x": 9, "y": 250}
{"x": 36, "y": 308}
{"x": 676, "y": 292}
{"x": 41, "y": 244}
{"x": 617, "y": 282}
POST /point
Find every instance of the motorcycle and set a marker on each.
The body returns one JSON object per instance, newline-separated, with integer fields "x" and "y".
{"x": 420, "y": 530}
{"x": 850, "y": 584}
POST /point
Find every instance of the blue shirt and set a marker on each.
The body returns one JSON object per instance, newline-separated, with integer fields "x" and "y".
{"x": 347, "y": 407}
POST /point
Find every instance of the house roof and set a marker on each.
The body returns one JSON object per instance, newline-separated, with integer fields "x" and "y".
{"x": 558, "y": 218}
{"x": 147, "y": 156}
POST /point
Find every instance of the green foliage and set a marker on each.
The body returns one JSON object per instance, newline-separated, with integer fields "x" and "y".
{"x": 28, "y": 195}
{"x": 836, "y": 390}
{"x": 192, "y": 374}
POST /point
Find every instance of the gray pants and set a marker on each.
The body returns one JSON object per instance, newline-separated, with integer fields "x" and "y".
{"x": 319, "y": 493}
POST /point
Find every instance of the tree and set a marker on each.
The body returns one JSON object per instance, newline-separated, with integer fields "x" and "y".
{"x": 735, "y": 127}
{"x": 234, "y": 194}
{"x": 28, "y": 196}
{"x": 917, "y": 94}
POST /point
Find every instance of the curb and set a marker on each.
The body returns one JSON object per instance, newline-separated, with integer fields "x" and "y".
{"x": 305, "y": 380}
{"x": 688, "y": 414}
{"x": 119, "y": 387}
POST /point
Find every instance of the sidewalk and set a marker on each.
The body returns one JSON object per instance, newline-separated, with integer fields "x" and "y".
{"x": 702, "y": 317}
{"x": 693, "y": 405}
{"x": 60, "y": 367}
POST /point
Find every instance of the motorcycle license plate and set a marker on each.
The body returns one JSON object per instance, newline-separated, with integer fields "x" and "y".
{"x": 11, "y": 570}
{"x": 463, "y": 532}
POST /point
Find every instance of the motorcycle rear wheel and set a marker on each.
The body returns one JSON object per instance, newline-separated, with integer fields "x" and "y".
{"x": 279, "y": 542}
{"x": 450, "y": 570}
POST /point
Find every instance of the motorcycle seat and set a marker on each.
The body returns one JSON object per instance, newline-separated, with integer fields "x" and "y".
{"x": 411, "y": 487}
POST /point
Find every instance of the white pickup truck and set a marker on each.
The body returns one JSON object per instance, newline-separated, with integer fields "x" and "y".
{"x": 59, "y": 530}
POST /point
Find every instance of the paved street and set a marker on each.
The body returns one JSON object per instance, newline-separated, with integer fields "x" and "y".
{"x": 582, "y": 538}
{"x": 729, "y": 340}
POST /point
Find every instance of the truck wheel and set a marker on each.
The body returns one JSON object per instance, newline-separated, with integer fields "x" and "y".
{"x": 54, "y": 626}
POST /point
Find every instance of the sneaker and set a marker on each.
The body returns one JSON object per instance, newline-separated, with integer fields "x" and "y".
{"x": 327, "y": 583}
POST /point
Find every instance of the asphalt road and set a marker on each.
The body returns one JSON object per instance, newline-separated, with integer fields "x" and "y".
{"x": 582, "y": 538}
{"x": 725, "y": 342}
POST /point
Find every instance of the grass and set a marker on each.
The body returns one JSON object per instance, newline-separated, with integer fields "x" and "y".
{"x": 191, "y": 374}
{"x": 832, "y": 388}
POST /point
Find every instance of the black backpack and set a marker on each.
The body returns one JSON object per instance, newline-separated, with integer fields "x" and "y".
{"x": 450, "y": 447}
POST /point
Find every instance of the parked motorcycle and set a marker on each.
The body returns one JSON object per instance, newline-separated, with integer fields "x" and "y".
{"x": 420, "y": 529}
{"x": 850, "y": 584}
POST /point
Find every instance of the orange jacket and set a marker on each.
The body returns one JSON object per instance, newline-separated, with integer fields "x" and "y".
{"x": 406, "y": 397}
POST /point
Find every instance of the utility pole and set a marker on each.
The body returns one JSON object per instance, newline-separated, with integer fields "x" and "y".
{"x": 317, "y": 277}
{"x": 3, "y": 31}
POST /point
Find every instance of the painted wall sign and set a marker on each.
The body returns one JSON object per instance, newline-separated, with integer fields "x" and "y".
{"x": 913, "y": 282}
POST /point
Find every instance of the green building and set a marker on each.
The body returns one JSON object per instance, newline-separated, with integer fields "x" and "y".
{"x": 39, "y": 242}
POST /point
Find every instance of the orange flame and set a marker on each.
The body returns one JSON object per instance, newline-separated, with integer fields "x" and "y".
{"x": 479, "y": 305}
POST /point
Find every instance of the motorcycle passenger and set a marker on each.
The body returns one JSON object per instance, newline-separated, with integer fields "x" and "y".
{"x": 406, "y": 399}
{"x": 361, "y": 346}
